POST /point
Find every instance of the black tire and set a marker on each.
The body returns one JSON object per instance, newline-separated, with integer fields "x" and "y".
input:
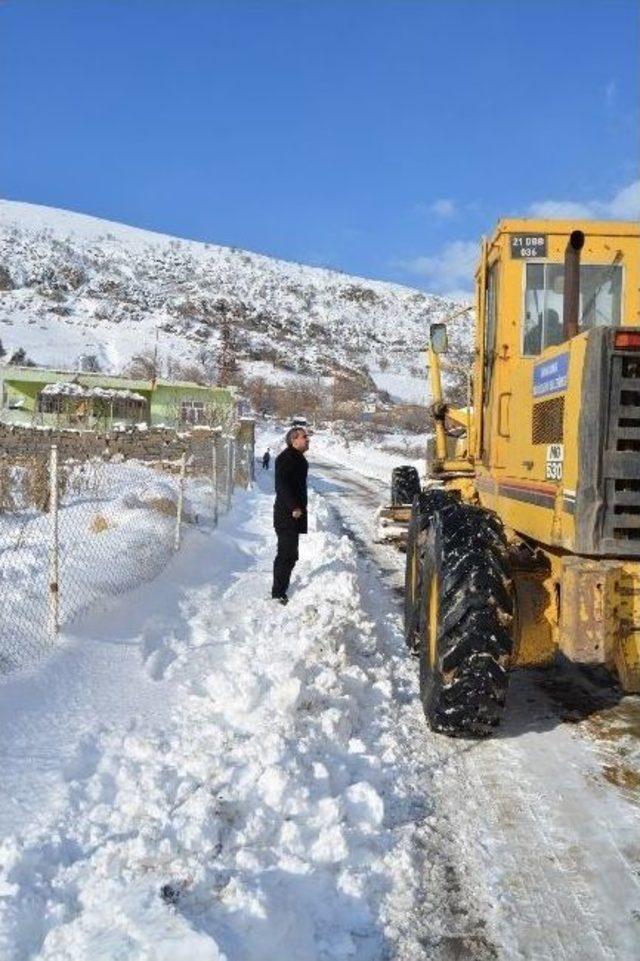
{"x": 405, "y": 484}
{"x": 412, "y": 576}
{"x": 465, "y": 619}
{"x": 425, "y": 504}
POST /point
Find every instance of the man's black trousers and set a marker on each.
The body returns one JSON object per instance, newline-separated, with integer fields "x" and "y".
{"x": 285, "y": 561}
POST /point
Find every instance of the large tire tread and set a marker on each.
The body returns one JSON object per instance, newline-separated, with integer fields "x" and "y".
{"x": 463, "y": 692}
{"x": 405, "y": 485}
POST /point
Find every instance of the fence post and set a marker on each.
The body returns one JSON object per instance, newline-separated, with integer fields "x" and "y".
{"x": 54, "y": 592}
{"x": 223, "y": 453}
{"x": 248, "y": 461}
{"x": 183, "y": 471}
{"x": 214, "y": 479}
{"x": 230, "y": 471}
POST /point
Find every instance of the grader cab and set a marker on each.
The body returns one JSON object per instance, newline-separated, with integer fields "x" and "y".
{"x": 525, "y": 541}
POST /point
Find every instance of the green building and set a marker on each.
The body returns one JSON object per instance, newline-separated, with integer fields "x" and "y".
{"x": 58, "y": 398}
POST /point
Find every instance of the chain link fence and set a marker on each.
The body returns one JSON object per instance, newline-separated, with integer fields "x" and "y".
{"x": 77, "y": 532}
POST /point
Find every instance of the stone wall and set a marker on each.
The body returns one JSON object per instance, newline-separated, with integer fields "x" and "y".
{"x": 155, "y": 444}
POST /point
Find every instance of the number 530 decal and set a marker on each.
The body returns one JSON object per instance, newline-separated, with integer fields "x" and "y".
{"x": 555, "y": 458}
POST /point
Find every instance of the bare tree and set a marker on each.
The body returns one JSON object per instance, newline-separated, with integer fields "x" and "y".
{"x": 347, "y": 388}
{"x": 21, "y": 359}
{"x": 227, "y": 363}
{"x": 206, "y": 359}
{"x": 262, "y": 395}
{"x": 189, "y": 371}
{"x": 90, "y": 363}
{"x": 304, "y": 397}
{"x": 143, "y": 366}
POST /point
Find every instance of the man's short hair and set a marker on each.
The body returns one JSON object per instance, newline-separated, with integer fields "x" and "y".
{"x": 292, "y": 433}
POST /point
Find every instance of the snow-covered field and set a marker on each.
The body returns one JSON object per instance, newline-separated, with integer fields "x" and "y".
{"x": 199, "y": 774}
{"x": 116, "y": 529}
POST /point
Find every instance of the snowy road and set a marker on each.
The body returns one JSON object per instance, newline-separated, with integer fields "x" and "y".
{"x": 243, "y": 781}
{"x": 547, "y": 813}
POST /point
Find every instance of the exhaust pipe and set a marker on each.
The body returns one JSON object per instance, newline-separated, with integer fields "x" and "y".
{"x": 571, "y": 300}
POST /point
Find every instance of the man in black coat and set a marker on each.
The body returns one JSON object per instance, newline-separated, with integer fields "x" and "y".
{"x": 290, "y": 508}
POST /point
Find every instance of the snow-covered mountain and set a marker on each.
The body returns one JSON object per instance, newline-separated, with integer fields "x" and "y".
{"x": 74, "y": 286}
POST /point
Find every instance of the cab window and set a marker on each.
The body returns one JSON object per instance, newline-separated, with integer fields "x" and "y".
{"x": 600, "y": 299}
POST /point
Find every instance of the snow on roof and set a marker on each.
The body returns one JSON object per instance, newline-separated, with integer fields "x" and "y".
{"x": 68, "y": 389}
{"x": 10, "y": 372}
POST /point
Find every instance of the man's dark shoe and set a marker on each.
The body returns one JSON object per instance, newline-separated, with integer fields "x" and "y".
{"x": 282, "y": 600}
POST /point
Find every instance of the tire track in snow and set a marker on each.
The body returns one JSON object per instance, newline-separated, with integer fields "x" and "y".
{"x": 450, "y": 915}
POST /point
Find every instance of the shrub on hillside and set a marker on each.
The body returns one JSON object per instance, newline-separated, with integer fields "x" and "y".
{"x": 20, "y": 358}
{"x": 6, "y": 283}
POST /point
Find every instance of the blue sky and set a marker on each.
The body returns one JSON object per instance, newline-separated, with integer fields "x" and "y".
{"x": 382, "y": 137}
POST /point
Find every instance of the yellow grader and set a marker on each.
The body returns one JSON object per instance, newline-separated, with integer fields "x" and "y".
{"x": 525, "y": 541}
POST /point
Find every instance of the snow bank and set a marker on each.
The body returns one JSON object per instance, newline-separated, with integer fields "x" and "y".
{"x": 250, "y": 825}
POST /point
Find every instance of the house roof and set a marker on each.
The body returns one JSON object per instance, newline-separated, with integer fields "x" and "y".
{"x": 192, "y": 385}
{"x": 42, "y": 375}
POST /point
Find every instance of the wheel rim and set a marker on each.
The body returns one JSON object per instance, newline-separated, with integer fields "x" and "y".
{"x": 434, "y": 610}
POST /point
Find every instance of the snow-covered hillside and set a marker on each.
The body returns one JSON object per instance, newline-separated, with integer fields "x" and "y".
{"x": 72, "y": 285}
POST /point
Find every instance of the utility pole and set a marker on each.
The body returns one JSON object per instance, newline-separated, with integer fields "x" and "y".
{"x": 155, "y": 360}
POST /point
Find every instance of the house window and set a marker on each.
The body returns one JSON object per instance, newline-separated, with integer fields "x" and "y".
{"x": 50, "y": 403}
{"x": 192, "y": 412}
{"x": 126, "y": 408}
{"x": 600, "y": 302}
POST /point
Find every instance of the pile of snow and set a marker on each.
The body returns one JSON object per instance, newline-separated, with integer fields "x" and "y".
{"x": 257, "y": 821}
{"x": 116, "y": 529}
{"x": 158, "y": 492}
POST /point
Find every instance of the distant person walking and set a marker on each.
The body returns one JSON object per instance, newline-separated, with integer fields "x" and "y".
{"x": 290, "y": 508}
{"x": 266, "y": 459}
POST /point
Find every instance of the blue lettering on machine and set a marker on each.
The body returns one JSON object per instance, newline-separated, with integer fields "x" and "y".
{"x": 551, "y": 376}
